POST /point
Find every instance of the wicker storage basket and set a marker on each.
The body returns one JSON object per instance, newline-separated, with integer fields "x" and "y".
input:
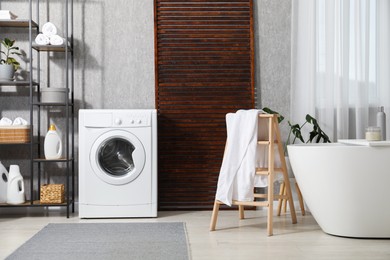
{"x": 14, "y": 134}
{"x": 52, "y": 193}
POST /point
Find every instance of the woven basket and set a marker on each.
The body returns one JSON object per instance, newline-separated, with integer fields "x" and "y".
{"x": 14, "y": 134}
{"x": 52, "y": 193}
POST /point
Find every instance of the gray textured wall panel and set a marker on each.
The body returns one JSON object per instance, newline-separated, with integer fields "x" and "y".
{"x": 273, "y": 55}
{"x": 114, "y": 62}
{"x": 114, "y": 57}
{"x": 116, "y": 48}
{"x": 114, "y": 51}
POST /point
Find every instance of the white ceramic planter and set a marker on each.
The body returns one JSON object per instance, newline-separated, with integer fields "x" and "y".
{"x": 7, "y": 72}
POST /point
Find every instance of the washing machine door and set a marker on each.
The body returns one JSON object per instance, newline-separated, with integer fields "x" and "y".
{"x": 117, "y": 157}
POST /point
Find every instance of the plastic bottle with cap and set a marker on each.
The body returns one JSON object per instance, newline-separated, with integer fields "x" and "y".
{"x": 15, "y": 187}
{"x": 3, "y": 183}
{"x": 381, "y": 122}
{"x": 53, "y": 144}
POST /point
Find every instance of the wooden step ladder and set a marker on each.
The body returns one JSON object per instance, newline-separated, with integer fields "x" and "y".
{"x": 283, "y": 202}
{"x": 273, "y": 138}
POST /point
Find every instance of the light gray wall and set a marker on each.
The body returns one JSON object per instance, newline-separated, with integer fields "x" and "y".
{"x": 273, "y": 56}
{"x": 114, "y": 52}
{"x": 114, "y": 63}
{"x": 114, "y": 58}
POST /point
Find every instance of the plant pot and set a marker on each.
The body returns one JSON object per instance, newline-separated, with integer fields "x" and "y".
{"x": 7, "y": 72}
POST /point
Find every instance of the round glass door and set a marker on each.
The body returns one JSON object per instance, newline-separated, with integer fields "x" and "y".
{"x": 117, "y": 157}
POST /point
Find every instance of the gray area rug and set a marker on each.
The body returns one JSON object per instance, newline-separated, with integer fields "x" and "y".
{"x": 163, "y": 240}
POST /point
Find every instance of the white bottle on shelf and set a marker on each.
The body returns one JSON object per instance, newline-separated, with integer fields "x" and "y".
{"x": 3, "y": 183}
{"x": 53, "y": 144}
{"x": 15, "y": 187}
{"x": 381, "y": 122}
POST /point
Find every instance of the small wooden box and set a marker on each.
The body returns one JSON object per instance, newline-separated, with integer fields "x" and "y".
{"x": 14, "y": 134}
{"x": 52, "y": 194}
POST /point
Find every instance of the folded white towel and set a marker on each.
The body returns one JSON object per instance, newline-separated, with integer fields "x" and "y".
{"x": 5, "y": 121}
{"x": 49, "y": 29}
{"x": 56, "y": 40}
{"x": 19, "y": 121}
{"x": 7, "y": 15}
{"x": 42, "y": 39}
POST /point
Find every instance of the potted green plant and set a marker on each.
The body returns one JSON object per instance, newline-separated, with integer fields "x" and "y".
{"x": 8, "y": 64}
{"x": 315, "y": 135}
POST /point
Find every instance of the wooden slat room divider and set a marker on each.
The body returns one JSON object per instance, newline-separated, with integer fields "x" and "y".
{"x": 204, "y": 69}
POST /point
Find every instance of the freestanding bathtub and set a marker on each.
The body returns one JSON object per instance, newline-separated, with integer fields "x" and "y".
{"x": 346, "y": 187}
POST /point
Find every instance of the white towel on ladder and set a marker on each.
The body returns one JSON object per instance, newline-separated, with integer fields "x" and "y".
{"x": 236, "y": 178}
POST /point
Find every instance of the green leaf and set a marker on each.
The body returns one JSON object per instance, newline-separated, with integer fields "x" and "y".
{"x": 311, "y": 120}
{"x": 8, "y": 42}
{"x": 296, "y": 130}
{"x": 270, "y": 111}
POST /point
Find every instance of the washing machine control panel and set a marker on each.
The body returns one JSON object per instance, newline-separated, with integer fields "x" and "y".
{"x": 131, "y": 120}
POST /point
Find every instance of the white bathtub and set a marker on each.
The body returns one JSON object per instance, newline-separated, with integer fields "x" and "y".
{"x": 346, "y": 187}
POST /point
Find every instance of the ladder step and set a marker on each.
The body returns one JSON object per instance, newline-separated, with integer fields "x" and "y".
{"x": 260, "y": 195}
{"x": 266, "y": 115}
{"x": 251, "y": 203}
{"x": 266, "y": 142}
{"x": 259, "y": 172}
{"x": 281, "y": 196}
{"x": 265, "y": 171}
{"x": 264, "y": 196}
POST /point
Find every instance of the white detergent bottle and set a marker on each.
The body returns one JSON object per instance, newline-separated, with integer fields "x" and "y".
{"x": 15, "y": 187}
{"x": 3, "y": 183}
{"x": 53, "y": 144}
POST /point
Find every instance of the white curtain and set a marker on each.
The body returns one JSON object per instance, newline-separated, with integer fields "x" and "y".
{"x": 340, "y": 64}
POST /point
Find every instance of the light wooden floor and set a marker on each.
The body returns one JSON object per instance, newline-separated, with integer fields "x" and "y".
{"x": 234, "y": 239}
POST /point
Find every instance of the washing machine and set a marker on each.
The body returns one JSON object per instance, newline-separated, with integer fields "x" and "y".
{"x": 117, "y": 163}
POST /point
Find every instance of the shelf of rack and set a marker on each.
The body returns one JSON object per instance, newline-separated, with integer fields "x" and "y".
{"x": 17, "y": 83}
{"x": 40, "y": 160}
{"x": 26, "y": 204}
{"x": 23, "y": 23}
{"x": 12, "y": 143}
{"x": 53, "y": 48}
{"x": 52, "y": 104}
{"x": 36, "y": 203}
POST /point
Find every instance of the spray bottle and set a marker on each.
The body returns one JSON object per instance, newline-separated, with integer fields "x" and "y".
{"x": 381, "y": 122}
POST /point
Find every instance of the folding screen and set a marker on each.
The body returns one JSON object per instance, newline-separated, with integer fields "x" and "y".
{"x": 204, "y": 69}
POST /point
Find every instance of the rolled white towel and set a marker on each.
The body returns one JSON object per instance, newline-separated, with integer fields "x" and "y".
{"x": 19, "y": 121}
{"x": 42, "y": 39}
{"x": 56, "y": 40}
{"x": 7, "y": 15}
{"x": 5, "y": 121}
{"x": 49, "y": 29}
